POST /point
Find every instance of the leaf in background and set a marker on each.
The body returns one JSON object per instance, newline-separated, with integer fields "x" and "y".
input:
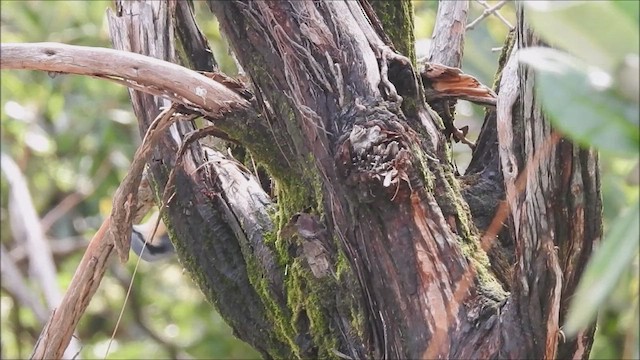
{"x": 580, "y": 103}
{"x": 609, "y": 262}
{"x": 601, "y": 33}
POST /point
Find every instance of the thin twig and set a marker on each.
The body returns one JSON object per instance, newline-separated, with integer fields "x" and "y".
{"x": 490, "y": 10}
{"x": 137, "y": 312}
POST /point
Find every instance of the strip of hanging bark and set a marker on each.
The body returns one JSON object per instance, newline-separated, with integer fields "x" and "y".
{"x": 445, "y": 82}
{"x": 128, "y": 204}
{"x": 132, "y": 200}
{"x": 151, "y": 75}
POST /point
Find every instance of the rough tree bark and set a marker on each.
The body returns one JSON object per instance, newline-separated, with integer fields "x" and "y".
{"x": 353, "y": 237}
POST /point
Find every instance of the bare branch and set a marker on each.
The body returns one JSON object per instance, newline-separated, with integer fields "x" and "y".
{"x": 25, "y": 223}
{"x": 448, "y": 35}
{"x": 490, "y": 10}
{"x": 130, "y": 205}
{"x": 148, "y": 74}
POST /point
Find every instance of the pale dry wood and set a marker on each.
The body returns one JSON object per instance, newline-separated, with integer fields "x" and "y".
{"x": 448, "y": 83}
{"x": 129, "y": 204}
{"x": 143, "y": 73}
{"x": 26, "y": 228}
{"x": 490, "y": 10}
{"x": 447, "y": 45}
{"x": 446, "y": 49}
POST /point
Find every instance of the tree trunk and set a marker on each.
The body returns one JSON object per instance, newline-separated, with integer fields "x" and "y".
{"x": 363, "y": 242}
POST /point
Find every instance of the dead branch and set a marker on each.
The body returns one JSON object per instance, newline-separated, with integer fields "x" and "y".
{"x": 447, "y": 83}
{"x": 490, "y": 10}
{"x": 144, "y": 73}
{"x": 446, "y": 50}
{"x": 448, "y": 41}
{"x": 130, "y": 205}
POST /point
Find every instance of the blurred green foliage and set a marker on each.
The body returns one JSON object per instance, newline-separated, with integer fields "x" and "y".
{"x": 74, "y": 137}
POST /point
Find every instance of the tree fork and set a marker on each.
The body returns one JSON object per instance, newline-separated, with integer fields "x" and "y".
{"x": 351, "y": 125}
{"x": 370, "y": 250}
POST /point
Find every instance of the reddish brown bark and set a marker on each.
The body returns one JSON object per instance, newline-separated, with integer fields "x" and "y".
{"x": 370, "y": 245}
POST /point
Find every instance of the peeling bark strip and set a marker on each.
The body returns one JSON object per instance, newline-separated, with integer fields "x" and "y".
{"x": 369, "y": 249}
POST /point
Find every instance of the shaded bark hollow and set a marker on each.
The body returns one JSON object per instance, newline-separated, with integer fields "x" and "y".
{"x": 367, "y": 245}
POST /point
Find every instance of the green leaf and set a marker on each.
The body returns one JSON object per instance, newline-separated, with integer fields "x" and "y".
{"x": 580, "y": 102}
{"x": 599, "y": 32}
{"x": 610, "y": 260}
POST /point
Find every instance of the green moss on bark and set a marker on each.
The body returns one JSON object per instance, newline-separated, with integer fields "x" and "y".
{"x": 397, "y": 21}
{"x": 449, "y": 199}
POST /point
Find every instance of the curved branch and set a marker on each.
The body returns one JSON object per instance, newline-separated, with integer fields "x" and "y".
{"x": 132, "y": 200}
{"x": 176, "y": 83}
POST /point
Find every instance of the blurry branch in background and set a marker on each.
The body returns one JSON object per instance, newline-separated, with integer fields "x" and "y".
{"x": 60, "y": 249}
{"x": 25, "y": 227}
{"x": 15, "y": 284}
{"x": 490, "y": 10}
{"x": 75, "y": 198}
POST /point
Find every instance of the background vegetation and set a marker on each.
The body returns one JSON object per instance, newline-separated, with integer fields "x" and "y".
{"x": 73, "y": 139}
